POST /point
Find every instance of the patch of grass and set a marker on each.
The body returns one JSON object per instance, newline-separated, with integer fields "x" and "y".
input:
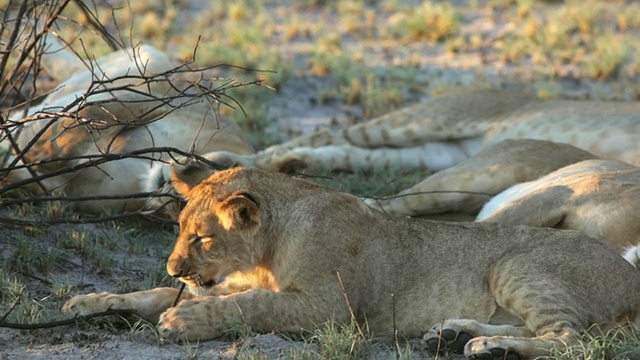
{"x": 357, "y": 19}
{"x": 587, "y": 36}
{"x": 90, "y": 247}
{"x": 12, "y": 288}
{"x": 61, "y": 291}
{"x": 139, "y": 277}
{"x": 141, "y": 327}
{"x": 30, "y": 256}
{"x": 28, "y": 313}
{"x": 302, "y": 4}
{"x": 612, "y": 344}
{"x": 357, "y": 84}
{"x": 368, "y": 184}
{"x": 254, "y": 117}
{"x": 609, "y": 55}
{"x": 429, "y": 21}
{"x": 629, "y": 19}
{"x": 338, "y": 341}
{"x": 191, "y": 351}
{"x": 241, "y": 33}
{"x": 13, "y": 298}
{"x": 298, "y": 354}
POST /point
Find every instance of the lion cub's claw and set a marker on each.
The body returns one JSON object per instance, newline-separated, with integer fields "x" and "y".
{"x": 439, "y": 340}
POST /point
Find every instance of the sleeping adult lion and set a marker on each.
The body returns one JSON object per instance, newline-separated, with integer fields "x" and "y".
{"x": 537, "y": 183}
{"x": 131, "y": 100}
{"x": 289, "y": 251}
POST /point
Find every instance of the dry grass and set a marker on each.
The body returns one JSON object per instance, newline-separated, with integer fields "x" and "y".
{"x": 593, "y": 37}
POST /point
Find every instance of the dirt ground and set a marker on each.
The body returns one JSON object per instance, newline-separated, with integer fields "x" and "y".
{"x": 296, "y": 109}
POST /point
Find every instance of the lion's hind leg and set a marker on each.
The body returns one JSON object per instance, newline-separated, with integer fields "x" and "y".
{"x": 485, "y": 341}
{"x": 557, "y": 335}
{"x": 556, "y": 299}
{"x": 455, "y": 334}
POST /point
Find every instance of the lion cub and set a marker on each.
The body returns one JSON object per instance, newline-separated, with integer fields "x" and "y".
{"x": 491, "y": 290}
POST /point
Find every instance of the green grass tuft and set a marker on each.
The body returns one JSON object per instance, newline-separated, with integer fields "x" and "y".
{"x": 613, "y": 344}
{"x": 341, "y": 341}
{"x": 431, "y": 21}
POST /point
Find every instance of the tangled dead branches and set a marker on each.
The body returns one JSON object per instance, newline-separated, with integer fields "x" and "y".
{"x": 86, "y": 125}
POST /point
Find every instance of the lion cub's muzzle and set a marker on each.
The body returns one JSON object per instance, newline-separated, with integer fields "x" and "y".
{"x": 195, "y": 280}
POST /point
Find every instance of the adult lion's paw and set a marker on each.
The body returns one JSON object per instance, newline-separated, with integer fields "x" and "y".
{"x": 190, "y": 320}
{"x": 82, "y": 305}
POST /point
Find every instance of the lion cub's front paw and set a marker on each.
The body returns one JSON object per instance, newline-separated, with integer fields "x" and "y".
{"x": 190, "y": 320}
{"x": 82, "y": 305}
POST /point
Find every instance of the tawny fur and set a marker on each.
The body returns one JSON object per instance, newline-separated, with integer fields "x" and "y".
{"x": 310, "y": 247}
{"x": 448, "y": 129}
{"x": 122, "y": 121}
{"x": 536, "y": 183}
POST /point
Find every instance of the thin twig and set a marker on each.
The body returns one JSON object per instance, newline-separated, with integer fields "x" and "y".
{"x": 396, "y": 346}
{"x": 429, "y": 193}
{"x": 95, "y": 23}
{"x": 94, "y": 160}
{"x": 36, "y": 199}
{"x": 15, "y": 303}
{"x": 346, "y": 299}
{"x": 66, "y": 322}
{"x": 179, "y": 294}
{"x": 87, "y": 220}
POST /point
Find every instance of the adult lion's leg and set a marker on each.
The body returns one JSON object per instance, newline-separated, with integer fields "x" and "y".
{"x": 632, "y": 255}
{"x": 542, "y": 208}
{"x": 465, "y": 187}
{"x": 458, "y": 189}
{"x": 148, "y": 304}
{"x": 432, "y": 156}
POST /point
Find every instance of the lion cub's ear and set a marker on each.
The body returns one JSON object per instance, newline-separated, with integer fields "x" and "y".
{"x": 239, "y": 211}
{"x": 185, "y": 177}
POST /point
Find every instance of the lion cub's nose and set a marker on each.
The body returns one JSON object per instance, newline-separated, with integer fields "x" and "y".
{"x": 175, "y": 269}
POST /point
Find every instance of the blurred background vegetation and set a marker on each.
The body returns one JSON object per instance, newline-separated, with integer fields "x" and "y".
{"x": 372, "y": 56}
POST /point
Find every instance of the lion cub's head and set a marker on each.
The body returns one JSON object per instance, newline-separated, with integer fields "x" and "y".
{"x": 216, "y": 229}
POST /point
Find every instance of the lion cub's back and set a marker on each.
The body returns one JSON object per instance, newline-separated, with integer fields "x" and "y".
{"x": 569, "y": 255}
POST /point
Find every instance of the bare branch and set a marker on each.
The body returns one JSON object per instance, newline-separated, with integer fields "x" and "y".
{"x": 75, "y": 320}
{"x": 92, "y": 113}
